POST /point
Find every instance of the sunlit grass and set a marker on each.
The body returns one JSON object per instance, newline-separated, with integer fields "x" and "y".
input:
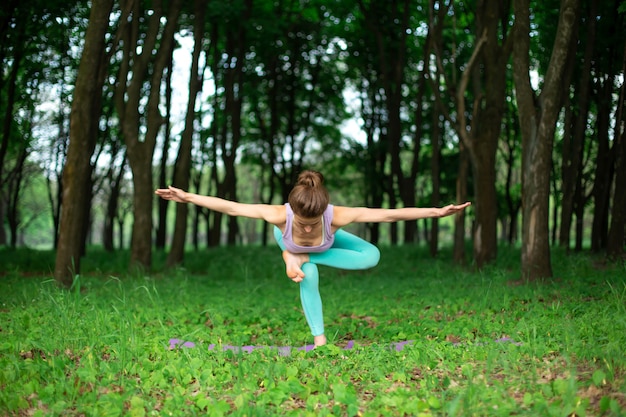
{"x": 481, "y": 343}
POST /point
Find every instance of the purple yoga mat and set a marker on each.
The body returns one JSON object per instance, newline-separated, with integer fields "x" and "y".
{"x": 286, "y": 350}
{"x": 282, "y": 350}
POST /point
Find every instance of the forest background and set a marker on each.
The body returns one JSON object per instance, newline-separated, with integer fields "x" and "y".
{"x": 514, "y": 105}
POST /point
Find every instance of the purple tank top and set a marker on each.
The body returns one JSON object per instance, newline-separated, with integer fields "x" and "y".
{"x": 329, "y": 238}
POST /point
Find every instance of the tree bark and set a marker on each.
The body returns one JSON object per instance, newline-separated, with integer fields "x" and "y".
{"x": 605, "y": 162}
{"x": 616, "y": 238}
{"x": 183, "y": 161}
{"x": 571, "y": 170}
{"x": 236, "y": 47}
{"x": 129, "y": 94}
{"x": 115, "y": 181}
{"x": 83, "y": 133}
{"x": 513, "y": 201}
{"x": 435, "y": 172}
{"x": 162, "y": 204}
{"x": 538, "y": 125}
{"x": 461, "y": 195}
{"x": 480, "y": 132}
{"x": 604, "y": 170}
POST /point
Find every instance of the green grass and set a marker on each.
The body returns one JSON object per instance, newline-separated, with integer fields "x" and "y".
{"x": 101, "y": 349}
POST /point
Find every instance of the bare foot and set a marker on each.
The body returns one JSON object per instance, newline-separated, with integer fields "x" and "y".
{"x": 319, "y": 340}
{"x": 294, "y": 262}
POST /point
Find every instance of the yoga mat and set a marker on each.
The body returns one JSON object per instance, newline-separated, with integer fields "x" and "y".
{"x": 286, "y": 350}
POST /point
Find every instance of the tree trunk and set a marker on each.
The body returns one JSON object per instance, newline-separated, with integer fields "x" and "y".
{"x": 461, "y": 195}
{"x": 3, "y": 234}
{"x": 83, "y": 133}
{"x": 605, "y": 162}
{"x": 391, "y": 58}
{"x": 183, "y": 161}
{"x": 603, "y": 178}
{"x": 616, "y": 238}
{"x": 9, "y": 101}
{"x": 14, "y": 187}
{"x": 115, "y": 180}
{"x": 573, "y": 148}
{"x": 374, "y": 171}
{"x": 162, "y": 204}
{"x": 538, "y": 126}
{"x": 513, "y": 202}
{"x": 435, "y": 172}
{"x": 129, "y": 94}
{"x": 486, "y": 69}
{"x": 486, "y": 208}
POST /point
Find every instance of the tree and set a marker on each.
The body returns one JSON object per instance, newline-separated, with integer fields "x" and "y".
{"x": 538, "y": 116}
{"x": 617, "y": 230}
{"x": 389, "y": 23}
{"x": 610, "y": 65}
{"x": 576, "y": 133}
{"x": 83, "y": 133}
{"x": 479, "y": 114}
{"x": 145, "y": 57}
{"x": 183, "y": 161}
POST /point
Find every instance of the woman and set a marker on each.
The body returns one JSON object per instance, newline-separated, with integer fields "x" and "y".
{"x": 308, "y": 230}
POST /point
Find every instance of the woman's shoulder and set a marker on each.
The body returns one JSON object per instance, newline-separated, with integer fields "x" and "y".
{"x": 272, "y": 213}
{"x": 344, "y": 215}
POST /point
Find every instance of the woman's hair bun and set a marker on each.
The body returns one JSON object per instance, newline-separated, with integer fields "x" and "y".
{"x": 310, "y": 178}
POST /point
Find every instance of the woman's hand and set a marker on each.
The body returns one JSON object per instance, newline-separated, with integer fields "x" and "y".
{"x": 452, "y": 209}
{"x": 173, "y": 194}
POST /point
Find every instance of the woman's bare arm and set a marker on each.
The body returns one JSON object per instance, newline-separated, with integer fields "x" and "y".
{"x": 273, "y": 214}
{"x": 346, "y": 215}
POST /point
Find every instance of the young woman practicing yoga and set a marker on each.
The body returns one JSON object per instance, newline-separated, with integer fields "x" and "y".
{"x": 308, "y": 230}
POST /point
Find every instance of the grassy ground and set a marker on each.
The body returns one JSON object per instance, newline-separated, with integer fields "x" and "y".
{"x": 483, "y": 344}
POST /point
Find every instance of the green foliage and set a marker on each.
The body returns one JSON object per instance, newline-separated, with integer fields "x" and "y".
{"x": 483, "y": 343}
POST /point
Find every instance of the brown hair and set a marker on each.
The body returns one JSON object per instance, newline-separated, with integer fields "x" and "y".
{"x": 309, "y": 198}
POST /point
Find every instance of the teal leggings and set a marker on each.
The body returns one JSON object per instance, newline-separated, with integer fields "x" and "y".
{"x": 348, "y": 252}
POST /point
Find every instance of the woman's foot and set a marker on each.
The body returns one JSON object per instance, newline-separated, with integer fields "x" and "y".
{"x": 293, "y": 263}
{"x": 319, "y": 340}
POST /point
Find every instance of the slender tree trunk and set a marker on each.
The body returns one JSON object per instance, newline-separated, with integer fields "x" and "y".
{"x": 129, "y": 94}
{"x": 392, "y": 62}
{"x": 603, "y": 178}
{"x": 83, "y": 133}
{"x": 579, "y": 211}
{"x": 409, "y": 197}
{"x": 3, "y": 233}
{"x": 486, "y": 127}
{"x": 486, "y": 69}
{"x": 606, "y": 159}
{"x": 14, "y": 186}
{"x": 461, "y": 195}
{"x": 538, "y": 125}
{"x": 214, "y": 218}
{"x": 113, "y": 205}
{"x": 374, "y": 170}
{"x": 7, "y": 118}
{"x": 183, "y": 160}
{"x": 573, "y": 149}
{"x": 162, "y": 204}
{"x": 512, "y": 201}
{"x": 9, "y": 102}
{"x": 120, "y": 231}
{"x": 435, "y": 169}
{"x": 554, "y": 185}
{"x": 616, "y": 238}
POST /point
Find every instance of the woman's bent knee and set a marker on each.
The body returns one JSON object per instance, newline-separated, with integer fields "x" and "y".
{"x": 372, "y": 256}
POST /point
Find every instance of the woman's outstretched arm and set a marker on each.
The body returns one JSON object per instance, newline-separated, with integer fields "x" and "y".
{"x": 346, "y": 215}
{"x": 273, "y": 214}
